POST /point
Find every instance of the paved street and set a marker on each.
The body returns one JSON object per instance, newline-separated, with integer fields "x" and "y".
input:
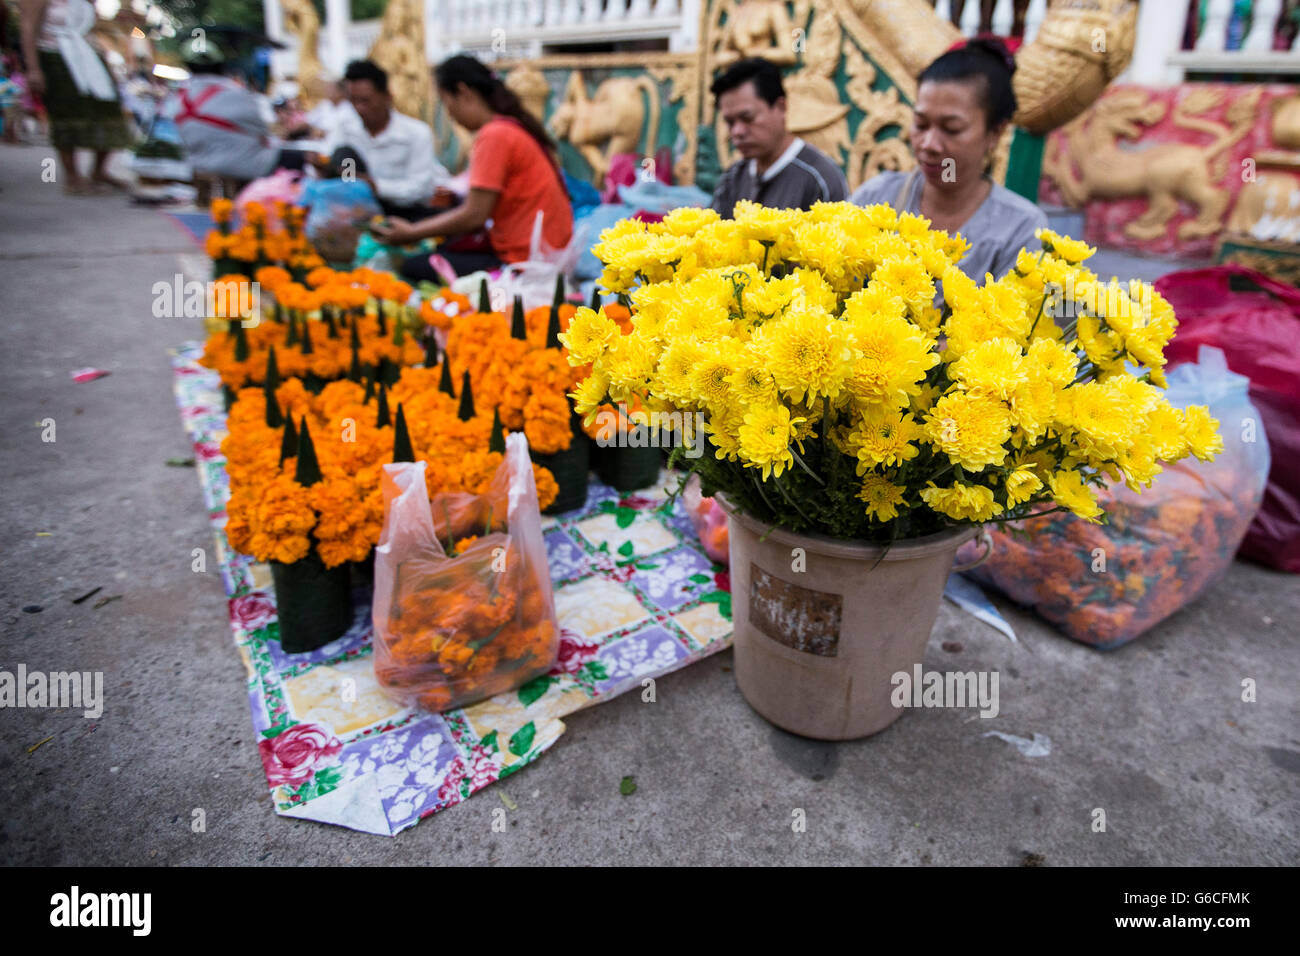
{"x": 1156, "y": 733}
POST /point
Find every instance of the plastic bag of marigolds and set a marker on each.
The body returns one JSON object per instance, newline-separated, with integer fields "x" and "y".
{"x": 1160, "y": 549}
{"x": 463, "y": 606}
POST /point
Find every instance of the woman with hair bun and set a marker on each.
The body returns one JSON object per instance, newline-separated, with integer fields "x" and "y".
{"x": 964, "y": 101}
{"x": 513, "y": 175}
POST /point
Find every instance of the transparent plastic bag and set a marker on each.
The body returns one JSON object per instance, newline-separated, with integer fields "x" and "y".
{"x": 452, "y": 629}
{"x": 1159, "y": 550}
{"x": 337, "y": 214}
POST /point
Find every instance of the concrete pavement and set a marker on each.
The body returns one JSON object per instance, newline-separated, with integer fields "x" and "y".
{"x": 1156, "y": 733}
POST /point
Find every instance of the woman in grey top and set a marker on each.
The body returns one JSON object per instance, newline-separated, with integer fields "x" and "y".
{"x": 964, "y": 101}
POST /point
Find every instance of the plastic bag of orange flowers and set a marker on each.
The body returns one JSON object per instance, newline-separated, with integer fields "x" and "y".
{"x": 1105, "y": 584}
{"x": 463, "y": 607}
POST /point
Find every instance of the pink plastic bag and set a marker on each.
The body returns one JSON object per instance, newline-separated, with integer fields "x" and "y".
{"x": 710, "y": 521}
{"x": 1259, "y": 331}
{"x": 283, "y": 184}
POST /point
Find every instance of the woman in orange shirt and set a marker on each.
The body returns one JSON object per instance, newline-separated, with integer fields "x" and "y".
{"x": 513, "y": 177}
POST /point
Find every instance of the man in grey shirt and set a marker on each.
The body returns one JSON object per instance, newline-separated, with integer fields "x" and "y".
{"x": 778, "y": 169}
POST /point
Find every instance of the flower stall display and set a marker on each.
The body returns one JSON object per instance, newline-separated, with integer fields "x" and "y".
{"x": 463, "y": 604}
{"x": 858, "y": 434}
{"x": 254, "y": 244}
{"x": 324, "y": 508}
{"x": 519, "y": 362}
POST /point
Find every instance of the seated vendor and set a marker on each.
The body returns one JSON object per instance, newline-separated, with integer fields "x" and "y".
{"x": 776, "y": 167}
{"x": 964, "y": 101}
{"x": 390, "y": 151}
{"x": 220, "y": 121}
{"x": 513, "y": 176}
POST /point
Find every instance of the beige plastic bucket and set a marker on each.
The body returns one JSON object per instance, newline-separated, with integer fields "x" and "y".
{"x": 821, "y": 625}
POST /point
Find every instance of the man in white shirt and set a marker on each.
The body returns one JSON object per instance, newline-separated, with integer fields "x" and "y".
{"x": 390, "y": 151}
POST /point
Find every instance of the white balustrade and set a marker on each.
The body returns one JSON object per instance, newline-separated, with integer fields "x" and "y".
{"x": 615, "y": 10}
{"x": 638, "y": 10}
{"x": 572, "y": 12}
{"x": 1004, "y": 15}
{"x": 970, "y": 18}
{"x": 1214, "y": 32}
{"x": 1034, "y": 18}
{"x": 943, "y": 9}
{"x": 591, "y": 10}
{"x": 1265, "y": 14}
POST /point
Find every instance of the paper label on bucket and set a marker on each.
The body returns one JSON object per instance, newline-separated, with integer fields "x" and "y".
{"x": 800, "y": 618}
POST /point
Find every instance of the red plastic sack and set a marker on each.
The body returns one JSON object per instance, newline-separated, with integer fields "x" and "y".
{"x": 1259, "y": 330}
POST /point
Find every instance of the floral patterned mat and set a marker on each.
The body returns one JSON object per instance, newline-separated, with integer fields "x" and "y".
{"x": 635, "y": 595}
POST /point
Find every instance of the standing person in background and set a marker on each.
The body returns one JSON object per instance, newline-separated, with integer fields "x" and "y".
{"x": 76, "y": 87}
{"x": 778, "y": 168}
{"x": 964, "y": 101}
{"x": 389, "y": 150}
{"x": 513, "y": 177}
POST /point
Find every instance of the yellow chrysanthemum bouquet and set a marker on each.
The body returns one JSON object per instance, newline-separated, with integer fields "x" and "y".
{"x": 837, "y": 397}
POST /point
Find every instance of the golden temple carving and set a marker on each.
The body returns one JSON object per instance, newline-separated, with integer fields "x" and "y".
{"x": 1092, "y": 164}
{"x": 609, "y": 122}
{"x": 399, "y": 49}
{"x": 300, "y": 19}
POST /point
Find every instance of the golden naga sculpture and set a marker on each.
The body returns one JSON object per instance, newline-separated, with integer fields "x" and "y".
{"x": 612, "y": 118}
{"x": 1164, "y": 172}
{"x": 399, "y": 49}
{"x": 1268, "y": 205}
{"x": 301, "y": 20}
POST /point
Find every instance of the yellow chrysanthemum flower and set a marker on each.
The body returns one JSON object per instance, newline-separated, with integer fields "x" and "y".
{"x": 764, "y": 439}
{"x": 687, "y": 221}
{"x": 881, "y": 496}
{"x": 710, "y": 379}
{"x": 908, "y": 279}
{"x": 1058, "y": 364}
{"x": 677, "y": 365}
{"x": 1164, "y": 426}
{"x": 962, "y": 502}
{"x": 1202, "y": 432}
{"x": 995, "y": 367}
{"x": 884, "y": 436}
{"x": 1069, "y": 490}
{"x": 1022, "y": 484}
{"x": 752, "y": 384}
{"x": 1071, "y": 250}
{"x": 970, "y": 429}
{"x": 589, "y": 335}
{"x": 894, "y": 355}
{"x": 590, "y": 395}
{"x": 807, "y": 352}
{"x": 1101, "y": 419}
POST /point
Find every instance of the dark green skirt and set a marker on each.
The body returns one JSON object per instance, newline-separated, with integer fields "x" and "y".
{"x": 78, "y": 121}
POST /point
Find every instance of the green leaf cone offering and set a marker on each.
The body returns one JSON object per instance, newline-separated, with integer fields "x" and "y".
{"x": 484, "y": 300}
{"x": 385, "y": 418}
{"x": 356, "y": 338}
{"x": 307, "y": 347}
{"x": 430, "y": 352}
{"x": 387, "y": 371}
{"x": 558, "y": 300}
{"x": 354, "y": 370}
{"x": 308, "y": 472}
{"x": 292, "y": 338}
{"x": 518, "y": 328}
{"x": 399, "y": 330}
{"x": 594, "y": 305}
{"x": 444, "y": 380}
{"x": 277, "y": 313}
{"x": 272, "y": 379}
{"x": 241, "y": 343}
{"x": 228, "y": 396}
{"x": 553, "y": 328}
{"x": 288, "y": 441}
{"x": 383, "y": 319}
{"x": 402, "y": 450}
{"x": 497, "y": 441}
{"x": 370, "y": 391}
{"x": 232, "y": 328}
{"x": 466, "y": 410}
{"x": 330, "y": 321}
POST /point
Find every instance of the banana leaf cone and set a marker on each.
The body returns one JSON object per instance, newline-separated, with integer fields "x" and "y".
{"x": 314, "y": 603}
{"x": 518, "y": 328}
{"x": 466, "y": 410}
{"x": 571, "y": 468}
{"x": 484, "y": 299}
